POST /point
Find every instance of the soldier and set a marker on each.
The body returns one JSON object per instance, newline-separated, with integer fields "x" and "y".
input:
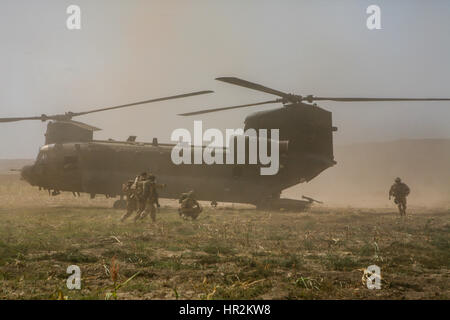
{"x": 132, "y": 203}
{"x": 155, "y": 191}
{"x": 139, "y": 185}
{"x": 142, "y": 177}
{"x": 149, "y": 199}
{"x": 133, "y": 192}
{"x": 399, "y": 191}
{"x": 189, "y": 206}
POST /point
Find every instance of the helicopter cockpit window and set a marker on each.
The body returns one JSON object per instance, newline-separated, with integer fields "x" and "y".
{"x": 42, "y": 157}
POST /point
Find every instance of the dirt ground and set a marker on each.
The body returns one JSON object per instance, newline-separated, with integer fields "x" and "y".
{"x": 232, "y": 252}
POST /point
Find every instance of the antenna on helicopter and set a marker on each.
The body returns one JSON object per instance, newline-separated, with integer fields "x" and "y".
{"x": 287, "y": 98}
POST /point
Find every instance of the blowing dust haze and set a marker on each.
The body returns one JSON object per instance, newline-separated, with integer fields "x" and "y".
{"x": 130, "y": 51}
{"x": 105, "y": 198}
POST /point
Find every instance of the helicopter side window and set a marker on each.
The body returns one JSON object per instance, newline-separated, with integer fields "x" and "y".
{"x": 70, "y": 162}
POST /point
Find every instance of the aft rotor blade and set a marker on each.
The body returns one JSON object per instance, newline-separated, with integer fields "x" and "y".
{"x": 144, "y": 102}
{"x": 19, "y": 119}
{"x": 229, "y": 108}
{"x": 375, "y": 99}
{"x": 254, "y": 86}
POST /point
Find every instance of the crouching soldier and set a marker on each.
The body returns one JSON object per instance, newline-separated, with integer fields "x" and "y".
{"x": 189, "y": 206}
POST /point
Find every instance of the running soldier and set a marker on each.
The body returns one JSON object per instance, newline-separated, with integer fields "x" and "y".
{"x": 399, "y": 191}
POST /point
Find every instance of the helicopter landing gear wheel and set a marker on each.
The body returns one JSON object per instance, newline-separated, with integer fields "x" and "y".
{"x": 120, "y": 204}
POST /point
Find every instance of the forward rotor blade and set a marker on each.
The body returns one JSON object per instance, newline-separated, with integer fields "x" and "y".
{"x": 254, "y": 86}
{"x": 19, "y": 119}
{"x": 229, "y": 108}
{"x": 144, "y": 102}
{"x": 69, "y": 115}
{"x": 375, "y": 99}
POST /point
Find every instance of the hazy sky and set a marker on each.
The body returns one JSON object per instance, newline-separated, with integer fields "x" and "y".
{"x": 134, "y": 50}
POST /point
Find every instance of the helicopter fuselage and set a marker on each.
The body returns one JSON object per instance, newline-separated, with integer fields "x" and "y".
{"x": 101, "y": 167}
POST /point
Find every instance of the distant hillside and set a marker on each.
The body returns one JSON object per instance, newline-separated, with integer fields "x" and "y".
{"x": 7, "y": 164}
{"x": 365, "y": 172}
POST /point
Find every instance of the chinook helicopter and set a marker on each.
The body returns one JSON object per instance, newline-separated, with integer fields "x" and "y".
{"x": 72, "y": 160}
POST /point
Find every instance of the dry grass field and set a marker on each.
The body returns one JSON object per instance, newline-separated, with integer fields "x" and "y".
{"x": 232, "y": 252}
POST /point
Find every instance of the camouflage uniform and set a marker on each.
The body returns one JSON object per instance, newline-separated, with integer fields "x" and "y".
{"x": 132, "y": 203}
{"x": 399, "y": 191}
{"x": 132, "y": 192}
{"x": 148, "y": 200}
{"x": 189, "y": 206}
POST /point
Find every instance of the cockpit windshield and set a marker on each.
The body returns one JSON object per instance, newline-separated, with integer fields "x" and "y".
{"x": 43, "y": 153}
{"x": 42, "y": 156}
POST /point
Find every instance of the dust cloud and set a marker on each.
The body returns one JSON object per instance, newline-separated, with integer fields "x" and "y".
{"x": 365, "y": 172}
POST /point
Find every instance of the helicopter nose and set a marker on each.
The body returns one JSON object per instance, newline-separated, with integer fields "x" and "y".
{"x": 27, "y": 173}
